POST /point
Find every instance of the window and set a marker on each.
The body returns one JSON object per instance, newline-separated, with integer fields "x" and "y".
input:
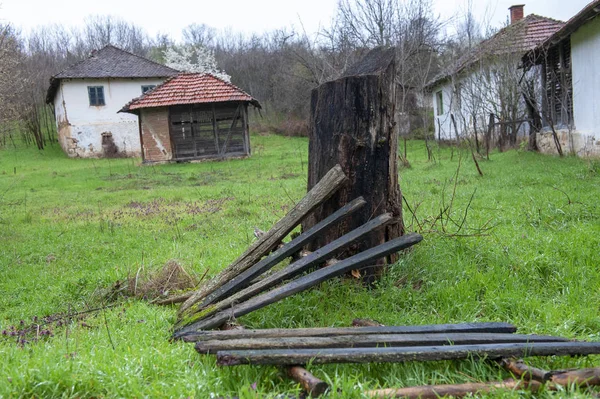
{"x": 145, "y": 88}
{"x": 96, "y": 94}
{"x": 439, "y": 100}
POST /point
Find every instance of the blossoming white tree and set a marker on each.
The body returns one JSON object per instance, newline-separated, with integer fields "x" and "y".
{"x": 196, "y": 59}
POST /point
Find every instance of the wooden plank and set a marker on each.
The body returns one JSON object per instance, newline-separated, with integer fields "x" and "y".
{"x": 453, "y": 390}
{"x": 314, "y": 259}
{"x": 490, "y": 327}
{"x": 369, "y": 341}
{"x": 330, "y": 183}
{"x": 243, "y": 279}
{"x": 357, "y": 261}
{"x": 396, "y": 355}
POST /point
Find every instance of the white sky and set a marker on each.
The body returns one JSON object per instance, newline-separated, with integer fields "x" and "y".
{"x": 243, "y": 15}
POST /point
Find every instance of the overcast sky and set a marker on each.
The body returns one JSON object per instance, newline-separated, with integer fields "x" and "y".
{"x": 243, "y": 15}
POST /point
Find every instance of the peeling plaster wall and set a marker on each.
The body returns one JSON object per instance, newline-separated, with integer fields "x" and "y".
{"x": 80, "y": 126}
{"x": 155, "y": 134}
{"x": 585, "y": 58}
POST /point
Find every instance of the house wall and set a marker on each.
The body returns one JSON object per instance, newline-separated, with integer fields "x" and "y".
{"x": 156, "y": 141}
{"x": 443, "y": 122}
{"x": 585, "y": 59}
{"x": 81, "y": 126}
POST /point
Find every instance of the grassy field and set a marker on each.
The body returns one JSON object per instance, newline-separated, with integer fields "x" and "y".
{"x": 526, "y": 252}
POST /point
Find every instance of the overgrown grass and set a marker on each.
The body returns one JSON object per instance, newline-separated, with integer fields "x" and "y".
{"x": 526, "y": 253}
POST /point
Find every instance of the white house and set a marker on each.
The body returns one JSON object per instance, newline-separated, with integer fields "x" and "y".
{"x": 87, "y": 96}
{"x": 571, "y": 81}
{"x": 488, "y": 81}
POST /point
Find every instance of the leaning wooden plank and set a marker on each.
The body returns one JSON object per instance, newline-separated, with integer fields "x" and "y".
{"x": 243, "y": 279}
{"x": 397, "y": 355}
{"x": 454, "y": 390}
{"x": 369, "y": 341}
{"x": 196, "y": 313}
{"x": 327, "y": 186}
{"x": 492, "y": 327}
{"x": 305, "y": 282}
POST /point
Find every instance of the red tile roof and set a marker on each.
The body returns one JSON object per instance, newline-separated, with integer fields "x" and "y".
{"x": 190, "y": 88}
{"x": 517, "y": 38}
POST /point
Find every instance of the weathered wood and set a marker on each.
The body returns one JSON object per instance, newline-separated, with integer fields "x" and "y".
{"x": 523, "y": 371}
{"x": 491, "y": 327}
{"x": 365, "y": 323}
{"x": 305, "y": 282}
{"x": 581, "y": 378}
{"x": 325, "y": 188}
{"x": 195, "y": 313}
{"x": 353, "y": 123}
{"x": 369, "y": 341}
{"x": 396, "y": 355}
{"x": 243, "y": 279}
{"x": 453, "y": 390}
{"x": 311, "y": 384}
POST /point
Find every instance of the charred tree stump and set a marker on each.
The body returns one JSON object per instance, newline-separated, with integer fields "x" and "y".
{"x": 353, "y": 124}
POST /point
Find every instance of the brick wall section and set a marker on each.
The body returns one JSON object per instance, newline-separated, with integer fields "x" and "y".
{"x": 156, "y": 142}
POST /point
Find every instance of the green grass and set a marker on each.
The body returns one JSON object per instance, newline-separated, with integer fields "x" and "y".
{"x": 69, "y": 228}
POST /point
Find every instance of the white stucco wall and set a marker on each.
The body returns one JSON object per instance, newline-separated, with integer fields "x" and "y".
{"x": 442, "y": 121}
{"x": 81, "y": 126}
{"x": 585, "y": 64}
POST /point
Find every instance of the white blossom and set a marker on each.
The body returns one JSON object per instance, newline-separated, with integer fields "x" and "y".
{"x": 196, "y": 59}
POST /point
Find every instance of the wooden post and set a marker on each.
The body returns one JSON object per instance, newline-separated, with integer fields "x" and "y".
{"x": 353, "y": 124}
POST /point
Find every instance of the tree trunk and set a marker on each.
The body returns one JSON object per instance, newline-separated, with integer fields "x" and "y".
{"x": 353, "y": 123}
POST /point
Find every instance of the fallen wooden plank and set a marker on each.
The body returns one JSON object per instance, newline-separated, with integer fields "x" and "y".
{"x": 396, "y": 355}
{"x": 453, "y": 390}
{"x": 243, "y": 279}
{"x": 581, "y": 378}
{"x": 325, "y": 188}
{"x": 490, "y": 327}
{"x": 365, "y": 323}
{"x": 311, "y": 384}
{"x": 305, "y": 282}
{"x": 525, "y": 372}
{"x": 369, "y": 341}
{"x": 195, "y": 314}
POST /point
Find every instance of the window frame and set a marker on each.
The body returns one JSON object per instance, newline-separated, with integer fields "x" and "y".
{"x": 148, "y": 88}
{"x": 98, "y": 100}
{"x": 439, "y": 102}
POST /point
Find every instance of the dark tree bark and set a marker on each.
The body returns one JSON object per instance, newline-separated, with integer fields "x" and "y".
{"x": 353, "y": 123}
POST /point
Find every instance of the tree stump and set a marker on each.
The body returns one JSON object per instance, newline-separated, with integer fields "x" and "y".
{"x": 354, "y": 124}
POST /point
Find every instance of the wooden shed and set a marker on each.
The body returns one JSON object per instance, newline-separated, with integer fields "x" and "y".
{"x": 193, "y": 116}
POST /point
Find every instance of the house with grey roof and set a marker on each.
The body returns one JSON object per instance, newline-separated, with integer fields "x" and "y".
{"x": 88, "y": 95}
{"x": 485, "y": 84}
{"x": 570, "y": 106}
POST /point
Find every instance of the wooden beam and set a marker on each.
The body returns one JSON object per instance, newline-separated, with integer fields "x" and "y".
{"x": 357, "y": 261}
{"x": 453, "y": 390}
{"x": 523, "y": 371}
{"x": 490, "y": 327}
{"x": 369, "y": 341}
{"x": 330, "y": 183}
{"x": 396, "y": 355}
{"x": 243, "y": 279}
{"x": 197, "y": 313}
{"x": 311, "y": 384}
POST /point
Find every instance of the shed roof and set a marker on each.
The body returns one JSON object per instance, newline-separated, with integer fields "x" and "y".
{"x": 110, "y": 62}
{"x": 190, "y": 88}
{"x": 517, "y": 38}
